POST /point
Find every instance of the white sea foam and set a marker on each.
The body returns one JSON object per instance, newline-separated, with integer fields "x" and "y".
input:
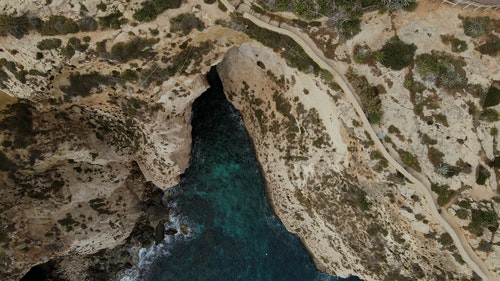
{"x": 144, "y": 257}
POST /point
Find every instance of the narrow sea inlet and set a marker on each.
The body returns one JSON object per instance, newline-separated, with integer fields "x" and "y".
{"x": 236, "y": 235}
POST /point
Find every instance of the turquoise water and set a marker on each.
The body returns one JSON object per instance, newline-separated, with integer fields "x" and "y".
{"x": 236, "y": 235}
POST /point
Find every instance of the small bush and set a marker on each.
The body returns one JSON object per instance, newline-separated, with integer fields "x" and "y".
{"x": 209, "y": 1}
{"x": 152, "y": 8}
{"x": 396, "y": 54}
{"x": 185, "y": 23}
{"x": 133, "y": 49}
{"x": 47, "y": 44}
{"x": 113, "y": 20}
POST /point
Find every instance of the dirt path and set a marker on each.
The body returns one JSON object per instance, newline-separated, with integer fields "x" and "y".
{"x": 445, "y": 220}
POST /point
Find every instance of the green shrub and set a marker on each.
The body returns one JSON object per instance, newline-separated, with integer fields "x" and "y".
{"x": 47, "y": 44}
{"x": 221, "y": 6}
{"x": 445, "y": 194}
{"x": 414, "y": 86}
{"x": 132, "y": 49}
{"x": 209, "y": 1}
{"x": 100, "y": 46}
{"x": 129, "y": 75}
{"x": 82, "y": 84}
{"x": 475, "y": 27}
{"x": 408, "y": 158}
{"x": 152, "y": 8}
{"x": 491, "y": 48}
{"x": 482, "y": 175}
{"x": 492, "y": 96}
{"x": 113, "y": 20}
{"x": 462, "y": 214}
{"x": 435, "y": 156}
{"x": 481, "y": 219}
{"x": 490, "y": 115}
{"x": 369, "y": 95}
{"x": 101, "y": 6}
{"x": 68, "y": 51}
{"x": 349, "y": 28}
{"x": 58, "y": 25}
{"x": 185, "y": 23}
{"x": 77, "y": 44}
{"x": 457, "y": 45}
{"x": 396, "y": 54}
{"x": 445, "y": 239}
{"x": 87, "y": 24}
{"x": 15, "y": 26}
{"x": 363, "y": 54}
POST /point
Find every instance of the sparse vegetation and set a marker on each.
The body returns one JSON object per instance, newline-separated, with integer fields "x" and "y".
{"x": 293, "y": 54}
{"x": 369, "y": 95}
{"x": 58, "y": 25}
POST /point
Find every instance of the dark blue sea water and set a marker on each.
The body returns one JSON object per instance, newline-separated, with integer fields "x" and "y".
{"x": 236, "y": 235}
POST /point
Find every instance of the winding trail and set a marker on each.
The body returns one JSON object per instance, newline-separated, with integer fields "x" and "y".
{"x": 317, "y": 55}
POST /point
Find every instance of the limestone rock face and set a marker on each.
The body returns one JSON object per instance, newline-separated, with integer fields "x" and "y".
{"x": 69, "y": 183}
{"x": 320, "y": 180}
